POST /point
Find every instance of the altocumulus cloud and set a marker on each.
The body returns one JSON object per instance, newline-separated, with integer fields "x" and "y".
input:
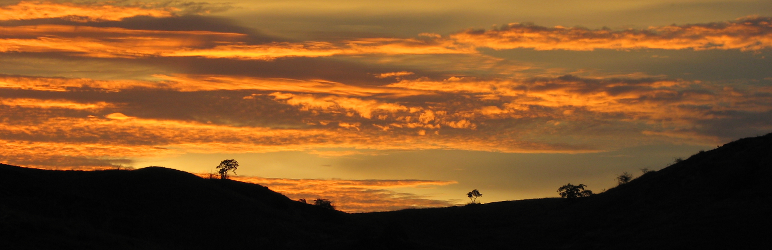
{"x": 750, "y": 33}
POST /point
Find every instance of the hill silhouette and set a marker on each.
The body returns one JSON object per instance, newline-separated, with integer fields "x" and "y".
{"x": 713, "y": 200}
{"x": 149, "y": 208}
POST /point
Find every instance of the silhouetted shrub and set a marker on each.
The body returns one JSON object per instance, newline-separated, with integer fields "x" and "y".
{"x": 624, "y": 178}
{"x": 324, "y": 203}
{"x": 571, "y": 191}
{"x": 303, "y": 200}
{"x": 225, "y": 166}
{"x": 473, "y": 195}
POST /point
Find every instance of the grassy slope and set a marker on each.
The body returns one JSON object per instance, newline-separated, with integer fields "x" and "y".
{"x": 715, "y": 199}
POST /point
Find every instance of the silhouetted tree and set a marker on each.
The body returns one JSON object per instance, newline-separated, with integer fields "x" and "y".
{"x": 646, "y": 170}
{"x": 225, "y": 166}
{"x": 571, "y": 191}
{"x": 324, "y": 203}
{"x": 624, "y": 178}
{"x": 473, "y": 195}
{"x": 303, "y": 200}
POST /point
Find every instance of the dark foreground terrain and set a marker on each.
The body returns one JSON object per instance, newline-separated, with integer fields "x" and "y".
{"x": 720, "y": 199}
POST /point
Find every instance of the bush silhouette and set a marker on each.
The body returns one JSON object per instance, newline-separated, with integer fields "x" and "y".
{"x": 225, "y": 166}
{"x": 571, "y": 191}
{"x": 324, "y": 203}
{"x": 473, "y": 195}
{"x": 624, "y": 178}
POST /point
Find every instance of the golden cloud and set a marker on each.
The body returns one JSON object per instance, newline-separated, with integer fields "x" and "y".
{"x": 121, "y": 136}
{"x": 218, "y": 82}
{"x": 751, "y": 33}
{"x": 640, "y": 98}
{"x": 26, "y": 10}
{"x": 364, "y": 108}
{"x": 352, "y": 196}
{"x": 105, "y": 42}
{"x": 385, "y": 46}
{"x": 125, "y": 43}
{"x": 59, "y": 84}
{"x": 394, "y": 74}
{"x": 51, "y": 104}
{"x": 366, "y": 118}
{"x": 189, "y": 83}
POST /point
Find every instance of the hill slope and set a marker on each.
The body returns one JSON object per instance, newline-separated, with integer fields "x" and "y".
{"x": 714, "y": 199}
{"x": 149, "y": 208}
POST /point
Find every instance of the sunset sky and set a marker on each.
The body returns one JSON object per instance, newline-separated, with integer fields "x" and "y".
{"x": 383, "y": 105}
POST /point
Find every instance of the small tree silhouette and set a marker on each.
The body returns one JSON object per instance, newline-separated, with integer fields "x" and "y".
{"x": 225, "y": 166}
{"x": 473, "y": 195}
{"x": 571, "y": 191}
{"x": 324, "y": 203}
{"x": 624, "y": 178}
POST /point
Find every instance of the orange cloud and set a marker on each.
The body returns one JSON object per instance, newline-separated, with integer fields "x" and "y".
{"x": 645, "y": 98}
{"x": 394, "y": 74}
{"x": 194, "y": 38}
{"x": 752, "y": 33}
{"x": 118, "y": 136}
{"x": 217, "y": 82}
{"x": 120, "y": 129}
{"x": 105, "y": 42}
{"x": 50, "y": 104}
{"x": 461, "y": 85}
{"x": 364, "y": 108}
{"x": 118, "y": 116}
{"x": 125, "y": 43}
{"x": 58, "y": 84}
{"x": 386, "y": 46}
{"x": 353, "y": 196}
{"x": 507, "y": 115}
{"x": 188, "y": 83}
{"x": 26, "y": 10}
{"x": 72, "y": 154}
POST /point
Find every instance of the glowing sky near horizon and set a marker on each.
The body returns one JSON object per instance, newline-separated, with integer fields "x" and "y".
{"x": 383, "y": 105}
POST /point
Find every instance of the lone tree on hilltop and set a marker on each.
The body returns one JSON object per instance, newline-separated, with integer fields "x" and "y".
{"x": 571, "y": 191}
{"x": 624, "y": 178}
{"x": 225, "y": 166}
{"x": 473, "y": 195}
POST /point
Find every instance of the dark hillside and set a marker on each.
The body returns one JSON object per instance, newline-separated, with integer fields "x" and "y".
{"x": 714, "y": 200}
{"x": 717, "y": 198}
{"x": 148, "y": 208}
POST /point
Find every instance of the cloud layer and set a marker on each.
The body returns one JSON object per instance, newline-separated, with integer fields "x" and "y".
{"x": 99, "y": 85}
{"x": 752, "y": 33}
{"x": 28, "y": 10}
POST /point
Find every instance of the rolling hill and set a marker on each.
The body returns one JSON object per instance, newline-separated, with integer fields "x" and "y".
{"x": 717, "y": 199}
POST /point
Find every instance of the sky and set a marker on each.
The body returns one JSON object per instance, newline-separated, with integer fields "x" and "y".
{"x": 383, "y": 105}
